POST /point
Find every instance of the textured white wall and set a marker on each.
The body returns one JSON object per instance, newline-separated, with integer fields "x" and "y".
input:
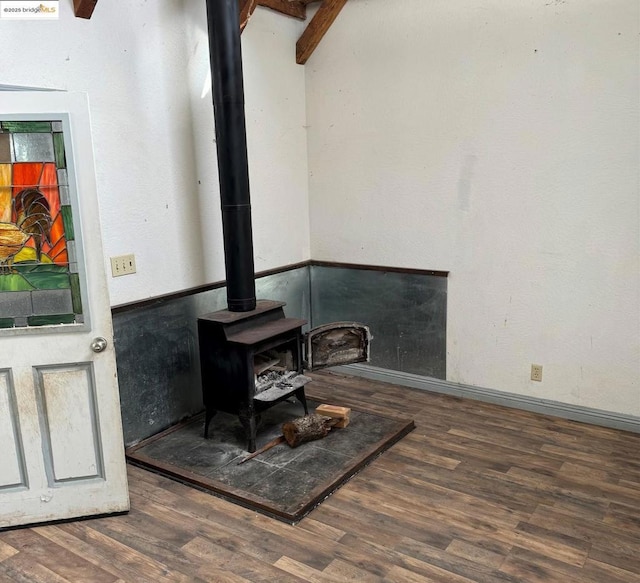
{"x": 277, "y": 143}
{"x": 498, "y": 141}
{"x": 141, "y": 66}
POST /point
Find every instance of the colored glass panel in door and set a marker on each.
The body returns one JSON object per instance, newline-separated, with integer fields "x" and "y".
{"x": 38, "y": 284}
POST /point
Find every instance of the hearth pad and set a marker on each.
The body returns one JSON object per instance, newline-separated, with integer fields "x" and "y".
{"x": 283, "y": 482}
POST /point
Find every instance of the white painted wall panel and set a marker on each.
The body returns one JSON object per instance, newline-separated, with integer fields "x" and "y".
{"x": 70, "y": 423}
{"x": 498, "y": 141}
{"x": 11, "y": 454}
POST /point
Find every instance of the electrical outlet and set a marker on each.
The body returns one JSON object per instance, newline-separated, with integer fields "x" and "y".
{"x": 536, "y": 372}
{"x": 123, "y": 265}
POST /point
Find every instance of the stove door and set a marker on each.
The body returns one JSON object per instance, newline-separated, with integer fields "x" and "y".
{"x": 335, "y": 344}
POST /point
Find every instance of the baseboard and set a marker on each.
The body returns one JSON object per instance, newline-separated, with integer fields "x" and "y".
{"x": 544, "y": 406}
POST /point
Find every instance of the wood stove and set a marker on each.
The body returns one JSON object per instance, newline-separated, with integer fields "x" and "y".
{"x": 251, "y": 361}
{"x": 252, "y": 356}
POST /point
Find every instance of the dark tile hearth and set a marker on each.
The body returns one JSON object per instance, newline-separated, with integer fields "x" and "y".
{"x": 283, "y": 482}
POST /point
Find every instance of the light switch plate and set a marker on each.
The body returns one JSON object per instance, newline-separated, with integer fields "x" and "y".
{"x": 123, "y": 265}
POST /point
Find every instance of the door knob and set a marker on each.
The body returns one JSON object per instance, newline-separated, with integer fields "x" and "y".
{"x": 98, "y": 344}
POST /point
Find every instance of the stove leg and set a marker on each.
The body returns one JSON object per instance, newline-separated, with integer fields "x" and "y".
{"x": 248, "y": 419}
{"x": 303, "y": 399}
{"x": 208, "y": 416}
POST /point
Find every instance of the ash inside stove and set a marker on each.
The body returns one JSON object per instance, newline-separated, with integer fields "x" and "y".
{"x": 275, "y": 383}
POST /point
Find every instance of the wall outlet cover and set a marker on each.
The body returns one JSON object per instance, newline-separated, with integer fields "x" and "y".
{"x": 536, "y": 372}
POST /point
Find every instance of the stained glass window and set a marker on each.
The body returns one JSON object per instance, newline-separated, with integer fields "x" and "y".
{"x": 39, "y": 281}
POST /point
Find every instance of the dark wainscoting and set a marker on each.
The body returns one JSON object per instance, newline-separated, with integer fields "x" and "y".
{"x": 157, "y": 350}
{"x": 156, "y": 340}
{"x": 406, "y": 311}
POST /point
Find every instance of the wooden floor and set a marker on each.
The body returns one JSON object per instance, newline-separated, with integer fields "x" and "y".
{"x": 477, "y": 493}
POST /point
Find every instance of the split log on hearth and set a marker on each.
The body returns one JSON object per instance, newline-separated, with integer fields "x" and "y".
{"x": 307, "y": 428}
{"x": 340, "y": 414}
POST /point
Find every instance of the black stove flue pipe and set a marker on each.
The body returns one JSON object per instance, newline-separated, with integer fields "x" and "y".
{"x": 233, "y": 169}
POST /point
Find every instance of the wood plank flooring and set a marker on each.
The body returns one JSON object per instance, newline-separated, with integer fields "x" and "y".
{"x": 476, "y": 494}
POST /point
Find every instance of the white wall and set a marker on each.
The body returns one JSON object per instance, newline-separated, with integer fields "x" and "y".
{"x": 498, "y": 141}
{"x": 141, "y": 65}
{"x": 277, "y": 143}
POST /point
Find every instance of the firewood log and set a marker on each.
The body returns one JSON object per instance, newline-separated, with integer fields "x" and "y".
{"x": 306, "y": 428}
{"x": 340, "y": 414}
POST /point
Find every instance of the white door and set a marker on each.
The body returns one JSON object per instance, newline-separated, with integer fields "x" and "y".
{"x": 61, "y": 442}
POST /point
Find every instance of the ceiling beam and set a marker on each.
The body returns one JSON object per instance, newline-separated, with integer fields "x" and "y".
{"x": 246, "y": 10}
{"x": 319, "y": 25}
{"x": 84, "y": 8}
{"x": 295, "y": 8}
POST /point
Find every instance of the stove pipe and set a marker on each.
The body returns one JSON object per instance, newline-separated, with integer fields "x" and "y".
{"x": 228, "y": 108}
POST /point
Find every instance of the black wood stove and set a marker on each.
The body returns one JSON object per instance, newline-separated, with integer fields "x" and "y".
{"x": 251, "y": 361}
{"x": 234, "y": 348}
{"x": 252, "y": 356}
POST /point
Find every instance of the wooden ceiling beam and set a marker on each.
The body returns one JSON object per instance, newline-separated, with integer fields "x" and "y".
{"x": 84, "y": 8}
{"x": 319, "y": 25}
{"x": 246, "y": 10}
{"x": 295, "y": 8}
